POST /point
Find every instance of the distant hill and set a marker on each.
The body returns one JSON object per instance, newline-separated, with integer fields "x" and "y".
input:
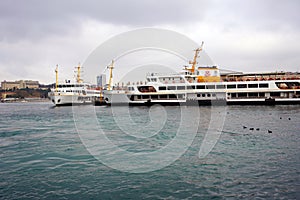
{"x": 25, "y": 93}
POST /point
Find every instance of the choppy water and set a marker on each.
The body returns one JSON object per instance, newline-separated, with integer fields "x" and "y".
{"x": 42, "y": 156}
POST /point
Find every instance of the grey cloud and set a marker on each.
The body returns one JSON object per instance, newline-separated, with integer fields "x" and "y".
{"x": 35, "y": 33}
{"x": 32, "y": 20}
{"x": 260, "y": 15}
{"x": 36, "y": 19}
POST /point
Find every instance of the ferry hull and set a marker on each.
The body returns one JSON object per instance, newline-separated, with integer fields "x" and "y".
{"x": 263, "y": 102}
{"x": 121, "y": 99}
{"x": 204, "y": 103}
{"x": 69, "y": 100}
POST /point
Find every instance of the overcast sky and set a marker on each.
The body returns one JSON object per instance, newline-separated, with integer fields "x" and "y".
{"x": 242, "y": 35}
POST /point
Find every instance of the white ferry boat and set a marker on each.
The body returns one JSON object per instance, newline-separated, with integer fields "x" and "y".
{"x": 205, "y": 86}
{"x": 77, "y": 93}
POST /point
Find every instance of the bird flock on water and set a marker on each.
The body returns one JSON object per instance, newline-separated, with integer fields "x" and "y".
{"x": 257, "y": 129}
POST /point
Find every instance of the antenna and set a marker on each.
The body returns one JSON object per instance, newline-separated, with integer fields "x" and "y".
{"x": 56, "y": 78}
{"x": 110, "y": 67}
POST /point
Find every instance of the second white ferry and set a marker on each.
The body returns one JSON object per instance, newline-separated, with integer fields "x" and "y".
{"x": 78, "y": 93}
{"x": 204, "y": 85}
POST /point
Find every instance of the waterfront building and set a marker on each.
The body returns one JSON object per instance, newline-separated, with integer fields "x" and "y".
{"x": 7, "y": 85}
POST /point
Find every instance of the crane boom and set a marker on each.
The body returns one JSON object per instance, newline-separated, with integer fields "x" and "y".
{"x": 194, "y": 62}
{"x": 110, "y": 67}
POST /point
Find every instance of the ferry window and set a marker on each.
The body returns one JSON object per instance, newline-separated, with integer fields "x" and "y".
{"x": 179, "y": 96}
{"x": 210, "y": 87}
{"x": 180, "y": 87}
{"x": 172, "y": 96}
{"x": 200, "y": 87}
{"x": 164, "y": 79}
{"x": 148, "y": 79}
{"x": 264, "y": 85}
{"x": 220, "y": 86}
{"x": 242, "y": 85}
{"x": 162, "y": 96}
{"x": 275, "y": 94}
{"x": 261, "y": 94}
{"x": 146, "y": 97}
{"x": 231, "y": 86}
{"x": 154, "y": 96}
{"x": 162, "y": 88}
{"x": 208, "y": 95}
{"x": 171, "y": 87}
{"x": 139, "y": 97}
{"x": 193, "y": 86}
{"x": 198, "y": 95}
{"x": 233, "y": 95}
{"x": 242, "y": 94}
{"x": 252, "y": 85}
{"x": 189, "y": 87}
{"x": 253, "y": 94}
{"x": 203, "y": 95}
{"x": 214, "y": 95}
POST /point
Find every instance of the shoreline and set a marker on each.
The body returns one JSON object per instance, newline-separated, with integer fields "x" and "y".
{"x": 25, "y": 100}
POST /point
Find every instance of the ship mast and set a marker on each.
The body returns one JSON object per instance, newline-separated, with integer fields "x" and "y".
{"x": 110, "y": 67}
{"x": 78, "y": 79}
{"x": 194, "y": 62}
{"x": 56, "y": 78}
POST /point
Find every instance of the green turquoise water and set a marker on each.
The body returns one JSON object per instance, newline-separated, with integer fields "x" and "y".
{"x": 42, "y": 156}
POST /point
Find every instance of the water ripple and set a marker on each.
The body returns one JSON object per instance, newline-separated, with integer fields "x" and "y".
{"x": 42, "y": 157}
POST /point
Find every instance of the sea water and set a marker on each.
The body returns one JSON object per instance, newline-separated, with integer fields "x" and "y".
{"x": 44, "y": 153}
